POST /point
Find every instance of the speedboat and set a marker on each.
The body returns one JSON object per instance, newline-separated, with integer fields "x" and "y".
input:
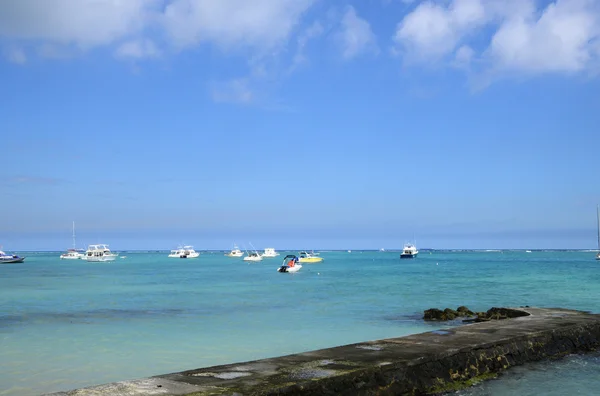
{"x": 235, "y": 252}
{"x": 270, "y": 252}
{"x": 10, "y": 258}
{"x": 290, "y": 264}
{"x": 409, "y": 251}
{"x": 306, "y": 257}
{"x": 99, "y": 253}
{"x": 72, "y": 254}
{"x": 184, "y": 252}
{"x": 253, "y": 256}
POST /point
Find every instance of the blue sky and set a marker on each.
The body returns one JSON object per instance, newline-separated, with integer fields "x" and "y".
{"x": 300, "y": 124}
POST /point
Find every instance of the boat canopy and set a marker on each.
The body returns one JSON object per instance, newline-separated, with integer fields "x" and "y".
{"x": 289, "y": 256}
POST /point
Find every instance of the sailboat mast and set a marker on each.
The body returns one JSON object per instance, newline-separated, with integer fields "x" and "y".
{"x": 598, "y": 224}
{"x": 73, "y": 235}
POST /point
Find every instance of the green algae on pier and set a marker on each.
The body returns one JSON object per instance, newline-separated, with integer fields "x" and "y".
{"x": 419, "y": 364}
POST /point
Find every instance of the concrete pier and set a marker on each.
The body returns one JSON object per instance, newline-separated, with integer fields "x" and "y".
{"x": 427, "y": 363}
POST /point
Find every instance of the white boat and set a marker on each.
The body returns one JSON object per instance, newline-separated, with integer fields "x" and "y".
{"x": 270, "y": 252}
{"x": 409, "y": 251}
{"x": 74, "y": 253}
{"x": 99, "y": 253}
{"x": 598, "y": 224}
{"x": 306, "y": 257}
{"x": 235, "y": 252}
{"x": 253, "y": 256}
{"x": 290, "y": 264}
{"x": 10, "y": 258}
{"x": 184, "y": 252}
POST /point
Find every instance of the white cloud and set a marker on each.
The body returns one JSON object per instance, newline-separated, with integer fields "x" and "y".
{"x": 16, "y": 55}
{"x": 260, "y": 24}
{"x": 355, "y": 35}
{"x": 463, "y": 57}
{"x": 432, "y": 30}
{"x": 504, "y": 36}
{"x": 560, "y": 40}
{"x": 84, "y": 23}
{"x": 313, "y": 31}
{"x": 143, "y": 48}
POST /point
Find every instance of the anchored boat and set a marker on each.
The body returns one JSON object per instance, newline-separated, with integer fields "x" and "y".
{"x": 409, "y": 251}
{"x": 10, "y": 258}
{"x": 184, "y": 252}
{"x": 290, "y": 264}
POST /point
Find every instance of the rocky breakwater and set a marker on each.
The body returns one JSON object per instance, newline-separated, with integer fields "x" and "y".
{"x": 464, "y": 312}
{"x": 434, "y": 362}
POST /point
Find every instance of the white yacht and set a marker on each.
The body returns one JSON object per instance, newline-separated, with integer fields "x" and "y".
{"x": 235, "y": 252}
{"x": 184, "y": 252}
{"x": 270, "y": 252}
{"x": 99, "y": 252}
{"x": 253, "y": 256}
{"x": 74, "y": 253}
{"x": 10, "y": 258}
{"x": 409, "y": 251}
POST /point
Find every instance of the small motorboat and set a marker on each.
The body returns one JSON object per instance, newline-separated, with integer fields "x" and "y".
{"x": 290, "y": 264}
{"x": 10, "y": 258}
{"x": 253, "y": 256}
{"x": 235, "y": 252}
{"x": 306, "y": 257}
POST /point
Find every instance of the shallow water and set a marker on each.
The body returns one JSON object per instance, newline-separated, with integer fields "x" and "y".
{"x": 66, "y": 324}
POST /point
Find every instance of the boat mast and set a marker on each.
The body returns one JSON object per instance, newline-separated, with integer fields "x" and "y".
{"x": 73, "y": 235}
{"x": 598, "y": 213}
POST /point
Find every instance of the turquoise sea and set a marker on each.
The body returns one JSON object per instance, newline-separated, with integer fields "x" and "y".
{"x": 67, "y": 324}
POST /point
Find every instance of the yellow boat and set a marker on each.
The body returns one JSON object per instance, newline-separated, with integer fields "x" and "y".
{"x": 305, "y": 257}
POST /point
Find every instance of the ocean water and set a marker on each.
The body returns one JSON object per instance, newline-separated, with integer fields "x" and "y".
{"x": 66, "y": 324}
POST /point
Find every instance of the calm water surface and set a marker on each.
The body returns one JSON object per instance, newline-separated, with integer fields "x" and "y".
{"x": 66, "y": 324}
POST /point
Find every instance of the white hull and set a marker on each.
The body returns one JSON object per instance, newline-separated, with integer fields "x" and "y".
{"x": 71, "y": 257}
{"x": 252, "y": 258}
{"x": 293, "y": 269}
{"x": 100, "y": 259}
{"x": 182, "y": 255}
{"x": 240, "y": 254}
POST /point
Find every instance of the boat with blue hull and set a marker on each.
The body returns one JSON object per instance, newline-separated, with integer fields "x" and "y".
{"x": 409, "y": 251}
{"x": 10, "y": 258}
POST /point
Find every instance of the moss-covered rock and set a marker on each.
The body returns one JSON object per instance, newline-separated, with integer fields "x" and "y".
{"x": 433, "y": 314}
{"x": 464, "y": 311}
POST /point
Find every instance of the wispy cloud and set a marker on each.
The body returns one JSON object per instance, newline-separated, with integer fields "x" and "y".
{"x": 16, "y": 55}
{"x": 310, "y": 33}
{"x": 233, "y": 91}
{"x": 136, "y": 49}
{"x": 355, "y": 36}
